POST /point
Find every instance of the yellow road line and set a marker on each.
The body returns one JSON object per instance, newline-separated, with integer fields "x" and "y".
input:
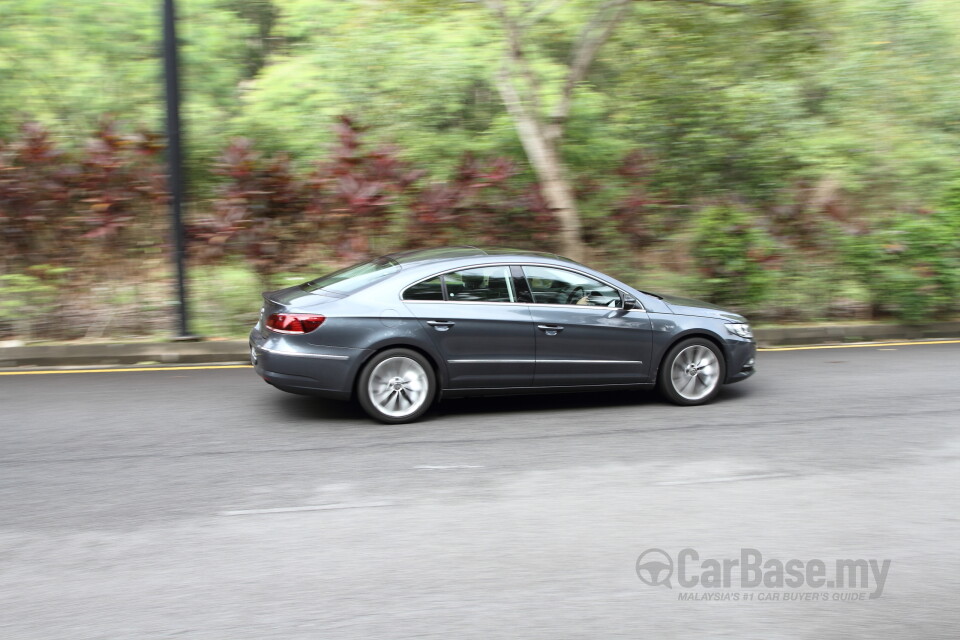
{"x": 861, "y": 345}
{"x": 46, "y": 372}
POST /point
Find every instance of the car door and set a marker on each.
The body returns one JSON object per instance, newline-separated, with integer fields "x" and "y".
{"x": 484, "y": 335}
{"x": 583, "y": 335}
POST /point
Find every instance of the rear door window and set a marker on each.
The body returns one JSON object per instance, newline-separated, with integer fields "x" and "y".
{"x": 480, "y": 284}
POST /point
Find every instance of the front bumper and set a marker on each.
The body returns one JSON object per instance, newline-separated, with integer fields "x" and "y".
{"x": 741, "y": 360}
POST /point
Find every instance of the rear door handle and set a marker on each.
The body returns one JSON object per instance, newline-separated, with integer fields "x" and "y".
{"x": 550, "y": 329}
{"x": 440, "y": 325}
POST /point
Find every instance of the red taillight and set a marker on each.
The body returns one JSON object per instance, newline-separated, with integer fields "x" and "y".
{"x": 294, "y": 322}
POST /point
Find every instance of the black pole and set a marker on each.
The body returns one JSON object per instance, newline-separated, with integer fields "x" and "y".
{"x": 175, "y": 159}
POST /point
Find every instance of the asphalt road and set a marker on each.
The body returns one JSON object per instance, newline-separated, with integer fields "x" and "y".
{"x": 205, "y": 504}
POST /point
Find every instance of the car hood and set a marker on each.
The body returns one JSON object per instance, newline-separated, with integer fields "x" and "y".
{"x": 690, "y": 307}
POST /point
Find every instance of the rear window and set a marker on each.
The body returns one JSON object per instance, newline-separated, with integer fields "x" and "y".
{"x": 353, "y": 278}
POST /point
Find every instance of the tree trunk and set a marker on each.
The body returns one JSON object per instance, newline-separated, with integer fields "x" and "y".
{"x": 541, "y": 149}
{"x": 556, "y": 189}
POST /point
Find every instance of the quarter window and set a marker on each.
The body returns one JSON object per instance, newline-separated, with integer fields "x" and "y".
{"x": 550, "y": 285}
{"x": 426, "y": 290}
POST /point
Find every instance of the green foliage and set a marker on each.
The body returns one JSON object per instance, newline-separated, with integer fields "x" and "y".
{"x": 29, "y": 299}
{"x": 64, "y": 65}
{"x": 807, "y": 287}
{"x": 911, "y": 266}
{"x": 730, "y": 252}
{"x": 949, "y": 211}
{"x": 225, "y": 298}
{"x": 730, "y": 101}
{"x": 39, "y": 283}
{"x": 822, "y": 118}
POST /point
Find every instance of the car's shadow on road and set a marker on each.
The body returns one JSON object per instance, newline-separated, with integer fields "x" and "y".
{"x": 310, "y": 408}
{"x": 452, "y": 407}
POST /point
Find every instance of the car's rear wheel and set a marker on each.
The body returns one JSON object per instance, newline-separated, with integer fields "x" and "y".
{"x": 396, "y": 386}
{"x": 692, "y": 372}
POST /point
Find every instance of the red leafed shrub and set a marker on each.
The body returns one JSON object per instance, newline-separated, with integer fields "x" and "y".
{"x": 357, "y": 192}
{"x": 359, "y": 201}
{"x": 258, "y": 212}
{"x": 636, "y": 215}
{"x": 445, "y": 212}
{"x": 118, "y": 178}
{"x": 278, "y": 220}
{"x": 56, "y": 205}
{"x": 35, "y": 199}
{"x": 75, "y": 228}
{"x": 360, "y": 196}
{"x": 484, "y": 204}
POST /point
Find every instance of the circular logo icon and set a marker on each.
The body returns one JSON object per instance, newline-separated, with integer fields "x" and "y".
{"x": 655, "y": 568}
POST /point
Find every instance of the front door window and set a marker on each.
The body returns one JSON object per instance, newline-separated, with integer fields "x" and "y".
{"x": 549, "y": 285}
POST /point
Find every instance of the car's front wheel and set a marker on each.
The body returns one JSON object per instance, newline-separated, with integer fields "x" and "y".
{"x": 396, "y": 386}
{"x": 692, "y": 372}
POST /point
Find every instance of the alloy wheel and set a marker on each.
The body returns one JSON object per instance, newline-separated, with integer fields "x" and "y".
{"x": 695, "y": 372}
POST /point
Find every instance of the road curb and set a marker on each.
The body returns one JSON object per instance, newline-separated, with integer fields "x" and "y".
{"x": 227, "y": 351}
{"x": 832, "y": 334}
{"x": 219, "y": 351}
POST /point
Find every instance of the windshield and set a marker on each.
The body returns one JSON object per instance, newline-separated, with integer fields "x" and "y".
{"x": 353, "y": 278}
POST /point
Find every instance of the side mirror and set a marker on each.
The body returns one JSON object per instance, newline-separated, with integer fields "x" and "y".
{"x": 629, "y": 302}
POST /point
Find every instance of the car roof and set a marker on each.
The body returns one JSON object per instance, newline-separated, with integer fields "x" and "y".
{"x": 465, "y": 251}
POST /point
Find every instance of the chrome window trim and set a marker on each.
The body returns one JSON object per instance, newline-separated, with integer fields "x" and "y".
{"x": 589, "y": 362}
{"x": 491, "y": 361}
{"x": 527, "y": 304}
{"x": 639, "y": 306}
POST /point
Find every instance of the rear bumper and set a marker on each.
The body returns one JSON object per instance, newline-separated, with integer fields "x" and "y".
{"x": 290, "y": 364}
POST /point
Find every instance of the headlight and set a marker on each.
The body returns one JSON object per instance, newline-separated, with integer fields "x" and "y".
{"x": 740, "y": 329}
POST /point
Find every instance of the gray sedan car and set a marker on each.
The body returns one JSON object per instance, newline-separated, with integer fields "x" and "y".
{"x": 401, "y": 331}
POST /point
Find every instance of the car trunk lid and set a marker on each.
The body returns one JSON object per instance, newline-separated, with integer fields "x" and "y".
{"x": 291, "y": 299}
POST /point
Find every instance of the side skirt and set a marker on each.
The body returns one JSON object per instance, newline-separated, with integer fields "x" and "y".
{"x": 519, "y": 391}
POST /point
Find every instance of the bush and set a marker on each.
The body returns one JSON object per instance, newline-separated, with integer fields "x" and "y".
{"x": 62, "y": 208}
{"x": 29, "y": 301}
{"x": 731, "y": 252}
{"x": 911, "y": 267}
{"x": 949, "y": 213}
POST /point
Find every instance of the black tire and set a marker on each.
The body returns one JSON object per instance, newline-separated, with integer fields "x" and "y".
{"x": 692, "y": 372}
{"x": 396, "y": 386}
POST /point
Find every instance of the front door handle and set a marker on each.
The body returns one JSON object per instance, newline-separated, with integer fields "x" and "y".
{"x": 550, "y": 329}
{"x": 440, "y": 325}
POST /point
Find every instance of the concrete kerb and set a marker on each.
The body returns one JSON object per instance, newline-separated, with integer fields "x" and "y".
{"x": 62, "y": 355}
{"x": 234, "y": 351}
{"x": 840, "y": 333}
